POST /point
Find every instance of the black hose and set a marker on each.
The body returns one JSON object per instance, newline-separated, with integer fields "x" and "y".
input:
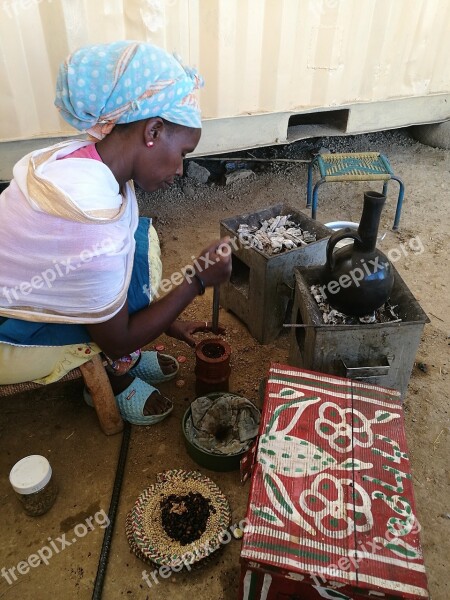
{"x": 104, "y": 554}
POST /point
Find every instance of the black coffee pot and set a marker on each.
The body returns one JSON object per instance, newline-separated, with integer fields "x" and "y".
{"x": 358, "y": 278}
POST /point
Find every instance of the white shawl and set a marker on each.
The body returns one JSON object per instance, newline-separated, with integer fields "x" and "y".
{"x": 66, "y": 239}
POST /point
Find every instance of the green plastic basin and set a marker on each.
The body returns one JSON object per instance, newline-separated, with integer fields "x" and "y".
{"x": 210, "y": 460}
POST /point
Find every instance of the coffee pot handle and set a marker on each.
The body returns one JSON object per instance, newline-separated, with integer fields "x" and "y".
{"x": 336, "y": 237}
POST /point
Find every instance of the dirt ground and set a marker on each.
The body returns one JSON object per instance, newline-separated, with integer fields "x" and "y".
{"x": 55, "y": 421}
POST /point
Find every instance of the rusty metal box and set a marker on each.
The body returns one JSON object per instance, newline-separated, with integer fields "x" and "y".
{"x": 379, "y": 353}
{"x": 261, "y": 285}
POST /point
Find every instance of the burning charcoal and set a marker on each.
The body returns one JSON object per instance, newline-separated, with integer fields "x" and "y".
{"x": 368, "y": 318}
{"x": 274, "y": 223}
{"x": 308, "y": 237}
{"x": 391, "y": 308}
{"x": 276, "y": 235}
{"x": 246, "y": 229}
{"x": 264, "y": 226}
{"x": 315, "y": 291}
{"x": 385, "y": 314}
{"x": 276, "y": 242}
{"x": 334, "y": 317}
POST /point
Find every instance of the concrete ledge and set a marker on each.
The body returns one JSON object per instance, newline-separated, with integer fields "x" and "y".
{"x": 242, "y": 132}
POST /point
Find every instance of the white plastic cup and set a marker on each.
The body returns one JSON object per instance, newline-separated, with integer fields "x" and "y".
{"x": 31, "y": 479}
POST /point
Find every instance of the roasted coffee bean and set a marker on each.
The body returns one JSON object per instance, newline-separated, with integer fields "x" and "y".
{"x": 184, "y": 518}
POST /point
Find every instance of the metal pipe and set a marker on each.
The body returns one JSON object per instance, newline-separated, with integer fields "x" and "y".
{"x": 249, "y": 159}
{"x": 215, "y": 314}
{"x": 104, "y": 554}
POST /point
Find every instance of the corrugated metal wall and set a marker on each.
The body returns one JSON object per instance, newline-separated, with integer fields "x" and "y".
{"x": 257, "y": 56}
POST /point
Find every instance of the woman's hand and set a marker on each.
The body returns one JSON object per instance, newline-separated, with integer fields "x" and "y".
{"x": 124, "y": 333}
{"x": 215, "y": 263}
{"x": 184, "y": 330}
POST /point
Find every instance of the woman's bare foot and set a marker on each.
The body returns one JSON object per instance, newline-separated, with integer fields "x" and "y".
{"x": 155, "y": 404}
{"x": 166, "y": 363}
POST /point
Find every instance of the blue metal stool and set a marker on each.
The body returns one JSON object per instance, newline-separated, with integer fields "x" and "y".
{"x": 357, "y": 166}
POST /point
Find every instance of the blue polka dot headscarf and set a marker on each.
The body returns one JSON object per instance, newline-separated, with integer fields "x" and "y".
{"x": 107, "y": 84}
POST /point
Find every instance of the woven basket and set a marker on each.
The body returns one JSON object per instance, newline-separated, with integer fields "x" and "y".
{"x": 144, "y": 530}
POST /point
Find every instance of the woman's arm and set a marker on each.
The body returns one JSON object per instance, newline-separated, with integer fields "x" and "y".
{"x": 125, "y": 333}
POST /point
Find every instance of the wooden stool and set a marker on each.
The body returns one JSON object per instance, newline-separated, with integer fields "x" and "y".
{"x": 357, "y": 166}
{"x": 96, "y": 381}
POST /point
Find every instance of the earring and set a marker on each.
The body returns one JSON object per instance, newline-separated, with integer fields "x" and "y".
{"x": 149, "y": 144}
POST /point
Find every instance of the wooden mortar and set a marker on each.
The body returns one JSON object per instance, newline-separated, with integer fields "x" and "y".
{"x": 212, "y": 367}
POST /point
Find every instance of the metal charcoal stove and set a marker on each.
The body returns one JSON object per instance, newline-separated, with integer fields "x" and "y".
{"x": 378, "y": 353}
{"x": 261, "y": 284}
